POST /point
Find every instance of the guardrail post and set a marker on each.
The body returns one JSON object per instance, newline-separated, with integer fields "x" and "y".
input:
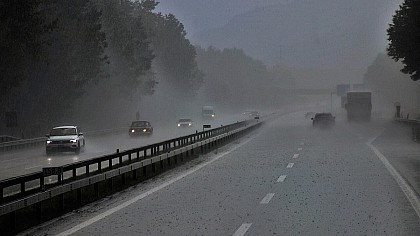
{"x": 74, "y": 173}
{"x": 42, "y": 183}
{"x": 22, "y": 187}
{"x": 100, "y": 167}
{"x": 119, "y": 158}
{"x": 60, "y": 179}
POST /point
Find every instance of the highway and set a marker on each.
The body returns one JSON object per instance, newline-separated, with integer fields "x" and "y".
{"x": 14, "y": 163}
{"x": 283, "y": 179}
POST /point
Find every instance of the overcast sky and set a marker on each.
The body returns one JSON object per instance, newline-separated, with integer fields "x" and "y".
{"x": 199, "y": 15}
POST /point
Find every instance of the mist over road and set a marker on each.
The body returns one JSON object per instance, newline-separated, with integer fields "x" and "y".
{"x": 286, "y": 179}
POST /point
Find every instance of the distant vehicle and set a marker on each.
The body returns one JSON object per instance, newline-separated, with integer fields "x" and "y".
{"x": 65, "y": 138}
{"x": 208, "y": 112}
{"x": 309, "y": 115}
{"x": 323, "y": 120}
{"x": 359, "y": 106}
{"x": 140, "y": 127}
{"x": 251, "y": 115}
{"x": 184, "y": 122}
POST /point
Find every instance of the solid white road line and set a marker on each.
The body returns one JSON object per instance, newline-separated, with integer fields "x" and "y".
{"x": 267, "y": 198}
{"x": 295, "y": 156}
{"x": 300, "y": 149}
{"x": 242, "y": 230}
{"x": 145, "y": 194}
{"x": 290, "y": 165}
{"x": 405, "y": 187}
{"x": 302, "y": 144}
{"x": 281, "y": 178}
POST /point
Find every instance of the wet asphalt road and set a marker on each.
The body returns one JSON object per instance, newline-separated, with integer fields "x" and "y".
{"x": 287, "y": 179}
{"x": 15, "y": 163}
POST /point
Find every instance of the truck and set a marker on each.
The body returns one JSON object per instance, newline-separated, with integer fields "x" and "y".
{"x": 359, "y": 106}
{"x": 208, "y": 112}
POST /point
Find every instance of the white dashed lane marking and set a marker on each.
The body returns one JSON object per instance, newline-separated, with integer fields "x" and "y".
{"x": 295, "y": 156}
{"x": 242, "y": 230}
{"x": 290, "y": 165}
{"x": 300, "y": 149}
{"x": 281, "y": 178}
{"x": 267, "y": 198}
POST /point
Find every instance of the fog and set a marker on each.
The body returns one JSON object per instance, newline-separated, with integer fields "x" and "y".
{"x": 329, "y": 146}
{"x": 235, "y": 55}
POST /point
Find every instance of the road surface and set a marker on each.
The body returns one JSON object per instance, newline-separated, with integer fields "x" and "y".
{"x": 14, "y": 163}
{"x": 284, "y": 179}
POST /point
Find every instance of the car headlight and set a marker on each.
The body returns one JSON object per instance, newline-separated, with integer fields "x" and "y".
{"x": 49, "y": 141}
{"x": 179, "y": 125}
{"x": 212, "y": 115}
{"x": 189, "y": 124}
{"x": 132, "y": 131}
{"x": 144, "y": 130}
{"x": 73, "y": 140}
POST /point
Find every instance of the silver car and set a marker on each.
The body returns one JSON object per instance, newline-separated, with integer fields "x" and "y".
{"x": 65, "y": 138}
{"x": 183, "y": 122}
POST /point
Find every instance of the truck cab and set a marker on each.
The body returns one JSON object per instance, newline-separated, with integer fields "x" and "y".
{"x": 208, "y": 112}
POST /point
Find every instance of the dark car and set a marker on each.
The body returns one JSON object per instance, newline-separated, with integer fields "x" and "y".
{"x": 309, "y": 115}
{"x": 140, "y": 127}
{"x": 323, "y": 120}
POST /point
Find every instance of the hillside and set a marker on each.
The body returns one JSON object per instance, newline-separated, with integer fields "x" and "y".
{"x": 339, "y": 34}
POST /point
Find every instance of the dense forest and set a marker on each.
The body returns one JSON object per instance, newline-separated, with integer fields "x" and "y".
{"x": 389, "y": 85}
{"x": 67, "y": 59}
{"x": 236, "y": 79}
{"x": 97, "y": 63}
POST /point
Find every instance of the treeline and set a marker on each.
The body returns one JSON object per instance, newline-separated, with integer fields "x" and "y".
{"x": 389, "y": 86}
{"x": 57, "y": 55}
{"x": 236, "y": 80}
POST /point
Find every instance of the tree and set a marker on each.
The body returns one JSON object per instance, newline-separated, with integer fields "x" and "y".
{"x": 235, "y": 79}
{"x": 75, "y": 56}
{"x": 389, "y": 85}
{"x": 130, "y": 54}
{"x": 23, "y": 26}
{"x": 404, "y": 38}
{"x": 175, "y": 56}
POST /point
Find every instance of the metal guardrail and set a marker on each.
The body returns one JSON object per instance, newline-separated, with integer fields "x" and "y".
{"x": 34, "y": 198}
{"x": 7, "y": 138}
{"x": 35, "y": 183}
{"x": 35, "y": 142}
{"x": 415, "y": 127}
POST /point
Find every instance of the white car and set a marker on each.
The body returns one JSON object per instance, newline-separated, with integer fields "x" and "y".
{"x": 185, "y": 122}
{"x": 65, "y": 138}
